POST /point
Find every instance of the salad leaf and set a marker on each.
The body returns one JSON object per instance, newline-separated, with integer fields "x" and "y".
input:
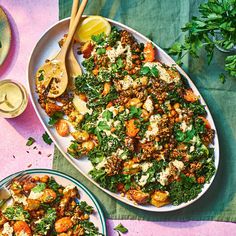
{"x": 46, "y": 138}
{"x": 30, "y": 141}
{"x": 121, "y": 228}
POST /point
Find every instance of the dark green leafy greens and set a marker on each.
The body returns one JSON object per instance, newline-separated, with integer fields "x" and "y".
{"x": 45, "y": 224}
{"x": 55, "y": 117}
{"x": 16, "y": 213}
{"x": 46, "y": 138}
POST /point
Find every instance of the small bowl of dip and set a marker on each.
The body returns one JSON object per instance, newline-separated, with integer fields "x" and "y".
{"x": 13, "y": 99}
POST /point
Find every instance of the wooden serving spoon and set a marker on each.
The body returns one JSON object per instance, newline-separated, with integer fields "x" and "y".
{"x": 54, "y": 72}
{"x": 73, "y": 67}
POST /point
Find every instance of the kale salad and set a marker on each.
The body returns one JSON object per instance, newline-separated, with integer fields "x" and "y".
{"x": 41, "y": 206}
{"x": 137, "y": 121}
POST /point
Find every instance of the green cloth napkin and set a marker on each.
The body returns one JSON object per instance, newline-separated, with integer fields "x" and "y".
{"x": 162, "y": 20}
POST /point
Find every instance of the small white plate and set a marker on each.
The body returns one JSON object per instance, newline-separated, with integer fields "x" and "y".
{"x": 97, "y": 217}
{"x": 48, "y": 46}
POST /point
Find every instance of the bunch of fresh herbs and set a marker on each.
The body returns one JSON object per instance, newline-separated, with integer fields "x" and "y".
{"x": 215, "y": 27}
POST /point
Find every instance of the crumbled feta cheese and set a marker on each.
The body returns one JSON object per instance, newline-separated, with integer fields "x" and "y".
{"x": 127, "y": 82}
{"x": 101, "y": 164}
{"x": 116, "y": 123}
{"x": 143, "y": 180}
{"x": 163, "y": 178}
{"x": 146, "y": 165}
{"x": 116, "y": 52}
{"x": 112, "y": 109}
{"x": 148, "y": 105}
{"x": 81, "y": 106}
{"x": 128, "y": 56}
{"x": 68, "y": 188}
{"x": 7, "y": 229}
{"x": 184, "y": 127}
{"x": 154, "y": 120}
{"x": 192, "y": 148}
{"x": 34, "y": 195}
{"x": 20, "y": 198}
{"x": 178, "y": 164}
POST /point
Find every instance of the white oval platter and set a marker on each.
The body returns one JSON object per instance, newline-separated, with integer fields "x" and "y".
{"x": 48, "y": 46}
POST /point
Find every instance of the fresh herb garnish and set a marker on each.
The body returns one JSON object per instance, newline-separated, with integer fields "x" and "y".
{"x": 55, "y": 117}
{"x": 153, "y": 71}
{"x": 46, "y": 138}
{"x": 121, "y": 228}
{"x": 107, "y": 115}
{"x": 41, "y": 77}
{"x": 16, "y": 213}
{"x": 103, "y": 125}
{"x": 85, "y": 207}
{"x": 39, "y": 188}
{"x": 215, "y": 27}
{"x": 30, "y": 141}
{"x": 44, "y": 225}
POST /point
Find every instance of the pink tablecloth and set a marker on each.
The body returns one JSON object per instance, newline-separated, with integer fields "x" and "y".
{"x": 29, "y": 19}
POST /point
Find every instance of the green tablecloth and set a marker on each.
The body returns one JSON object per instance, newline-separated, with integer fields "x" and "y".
{"x": 161, "y": 20}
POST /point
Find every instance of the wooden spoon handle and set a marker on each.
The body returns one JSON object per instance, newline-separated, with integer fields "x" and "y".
{"x": 73, "y": 13}
{"x": 73, "y": 28}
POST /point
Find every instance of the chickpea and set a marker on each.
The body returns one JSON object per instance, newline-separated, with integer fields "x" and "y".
{"x": 173, "y": 112}
{"x": 44, "y": 179}
{"x": 36, "y": 178}
{"x": 106, "y": 89}
{"x": 86, "y": 216}
{"x": 145, "y": 115}
{"x": 144, "y": 80}
{"x": 88, "y": 145}
{"x": 176, "y": 106}
{"x": 113, "y": 129}
{"x": 121, "y": 108}
{"x": 134, "y": 102}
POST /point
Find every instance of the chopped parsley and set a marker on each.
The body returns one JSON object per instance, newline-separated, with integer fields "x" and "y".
{"x": 30, "y": 141}
{"x": 47, "y": 139}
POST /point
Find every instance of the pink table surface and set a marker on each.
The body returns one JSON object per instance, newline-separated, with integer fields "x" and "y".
{"x": 29, "y": 19}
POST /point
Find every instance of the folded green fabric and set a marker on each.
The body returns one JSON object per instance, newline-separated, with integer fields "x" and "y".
{"x": 161, "y": 20}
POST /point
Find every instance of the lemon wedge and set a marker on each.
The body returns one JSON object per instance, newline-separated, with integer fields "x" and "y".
{"x": 92, "y": 25}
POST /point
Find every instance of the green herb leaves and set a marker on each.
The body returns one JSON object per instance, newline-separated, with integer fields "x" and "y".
{"x": 102, "y": 125}
{"x": 85, "y": 207}
{"x": 46, "y": 138}
{"x": 145, "y": 70}
{"x": 121, "y": 228}
{"x": 55, "y": 117}
{"x": 39, "y": 188}
{"x": 30, "y": 141}
{"x": 44, "y": 225}
{"x": 41, "y": 76}
{"x": 216, "y": 27}
{"x": 16, "y": 213}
